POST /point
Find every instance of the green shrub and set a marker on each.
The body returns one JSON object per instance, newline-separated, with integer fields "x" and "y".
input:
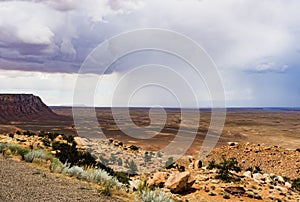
{"x": 120, "y": 162}
{"x": 132, "y": 167}
{"x": 212, "y": 164}
{"x": 28, "y": 133}
{"x": 154, "y": 196}
{"x": 56, "y": 166}
{"x": 52, "y": 136}
{"x": 147, "y": 157}
{"x": 134, "y": 148}
{"x": 296, "y": 184}
{"x": 170, "y": 163}
{"x": 17, "y": 150}
{"x": 159, "y": 154}
{"x": 121, "y": 176}
{"x": 75, "y": 171}
{"x": 14, "y": 149}
{"x": 104, "y": 160}
{"x": 70, "y": 139}
{"x": 71, "y": 155}
{"x": 46, "y": 142}
{"x": 37, "y": 154}
{"x": 2, "y": 147}
{"x": 143, "y": 186}
{"x": 113, "y": 159}
{"x": 225, "y": 168}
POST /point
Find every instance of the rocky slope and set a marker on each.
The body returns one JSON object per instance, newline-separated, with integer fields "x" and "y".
{"x": 23, "y": 107}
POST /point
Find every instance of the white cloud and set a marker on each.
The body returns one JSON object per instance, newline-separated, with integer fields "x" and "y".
{"x": 50, "y": 29}
{"x": 241, "y": 36}
{"x": 271, "y": 67}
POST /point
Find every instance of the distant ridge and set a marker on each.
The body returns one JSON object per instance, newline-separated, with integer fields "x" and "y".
{"x": 23, "y": 108}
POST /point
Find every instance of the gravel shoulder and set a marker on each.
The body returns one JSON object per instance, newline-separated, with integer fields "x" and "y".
{"x": 22, "y": 182}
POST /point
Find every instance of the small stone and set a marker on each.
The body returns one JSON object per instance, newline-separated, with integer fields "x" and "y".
{"x": 280, "y": 188}
{"x": 288, "y": 185}
{"x": 280, "y": 179}
{"x": 258, "y": 178}
{"x": 235, "y": 190}
{"x": 247, "y": 174}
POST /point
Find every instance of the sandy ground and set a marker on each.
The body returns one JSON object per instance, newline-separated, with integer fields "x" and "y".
{"x": 22, "y": 182}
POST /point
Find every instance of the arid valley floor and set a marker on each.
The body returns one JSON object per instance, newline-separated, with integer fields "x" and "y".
{"x": 279, "y": 127}
{"x": 266, "y": 141}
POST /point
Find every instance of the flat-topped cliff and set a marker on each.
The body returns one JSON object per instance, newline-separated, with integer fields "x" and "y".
{"x": 23, "y": 107}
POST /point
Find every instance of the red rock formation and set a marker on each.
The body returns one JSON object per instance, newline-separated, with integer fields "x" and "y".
{"x": 23, "y": 107}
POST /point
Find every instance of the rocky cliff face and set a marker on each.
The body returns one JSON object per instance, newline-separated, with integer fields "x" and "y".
{"x": 23, "y": 107}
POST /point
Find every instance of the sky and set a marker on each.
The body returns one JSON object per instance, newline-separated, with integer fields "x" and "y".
{"x": 255, "y": 45}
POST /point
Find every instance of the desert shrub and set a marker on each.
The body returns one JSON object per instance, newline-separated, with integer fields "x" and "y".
{"x": 104, "y": 160}
{"x": 2, "y": 147}
{"x": 55, "y": 165}
{"x": 52, "y": 136}
{"x": 225, "y": 168}
{"x": 70, "y": 154}
{"x": 37, "y": 154}
{"x": 14, "y": 149}
{"x": 132, "y": 167}
{"x": 147, "y": 157}
{"x": 75, "y": 171}
{"x": 170, "y": 163}
{"x": 257, "y": 169}
{"x": 46, "y": 142}
{"x": 212, "y": 164}
{"x": 122, "y": 177}
{"x": 144, "y": 187}
{"x": 134, "y": 148}
{"x": 103, "y": 178}
{"x": 106, "y": 191}
{"x": 17, "y": 150}
{"x": 126, "y": 163}
{"x": 159, "y": 154}
{"x": 70, "y": 139}
{"x": 112, "y": 159}
{"x": 41, "y": 134}
{"x": 120, "y": 162}
{"x": 86, "y": 159}
{"x": 11, "y": 135}
{"x": 22, "y": 152}
{"x": 154, "y": 196}
{"x": 298, "y": 150}
{"x": 28, "y": 133}
{"x": 18, "y": 132}
{"x": 296, "y": 184}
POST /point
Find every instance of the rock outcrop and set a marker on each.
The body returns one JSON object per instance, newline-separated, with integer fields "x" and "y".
{"x": 23, "y": 107}
{"x": 179, "y": 182}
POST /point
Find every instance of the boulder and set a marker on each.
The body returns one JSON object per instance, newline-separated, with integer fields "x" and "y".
{"x": 179, "y": 182}
{"x": 158, "y": 179}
